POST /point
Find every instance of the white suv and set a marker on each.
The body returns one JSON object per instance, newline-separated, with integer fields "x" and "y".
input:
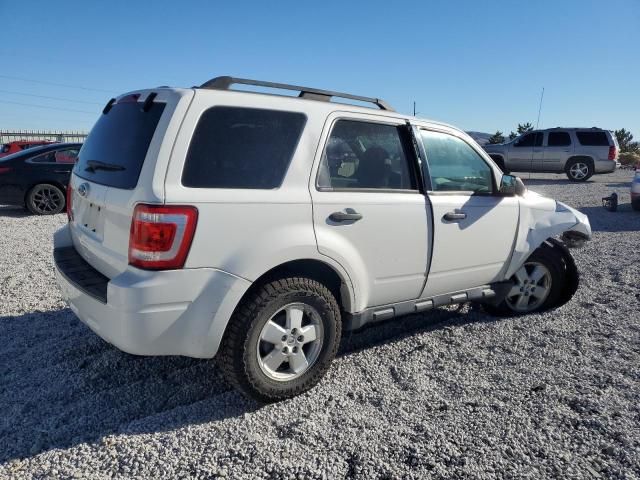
{"x": 257, "y": 227}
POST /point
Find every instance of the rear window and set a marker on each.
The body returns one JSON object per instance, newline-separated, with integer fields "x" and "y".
{"x": 593, "y": 139}
{"x": 120, "y": 140}
{"x": 242, "y": 148}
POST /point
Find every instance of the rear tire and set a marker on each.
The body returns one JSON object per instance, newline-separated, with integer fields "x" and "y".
{"x": 539, "y": 285}
{"x": 45, "y": 199}
{"x": 281, "y": 340}
{"x": 635, "y": 204}
{"x": 579, "y": 170}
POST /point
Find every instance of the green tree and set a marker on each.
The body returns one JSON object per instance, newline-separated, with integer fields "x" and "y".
{"x": 625, "y": 141}
{"x": 512, "y": 135}
{"x": 524, "y": 127}
{"x": 496, "y": 138}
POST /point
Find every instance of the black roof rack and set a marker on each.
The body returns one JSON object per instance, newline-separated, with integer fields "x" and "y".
{"x": 224, "y": 83}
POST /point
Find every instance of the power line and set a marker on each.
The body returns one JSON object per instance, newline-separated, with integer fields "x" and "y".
{"x": 55, "y": 84}
{"x": 50, "y": 98}
{"x": 48, "y": 107}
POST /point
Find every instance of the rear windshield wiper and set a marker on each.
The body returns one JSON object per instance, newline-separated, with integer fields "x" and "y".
{"x": 93, "y": 165}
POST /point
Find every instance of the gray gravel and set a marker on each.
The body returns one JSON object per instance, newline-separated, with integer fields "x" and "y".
{"x": 451, "y": 394}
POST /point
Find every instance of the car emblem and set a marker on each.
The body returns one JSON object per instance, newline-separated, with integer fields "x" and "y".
{"x": 83, "y": 189}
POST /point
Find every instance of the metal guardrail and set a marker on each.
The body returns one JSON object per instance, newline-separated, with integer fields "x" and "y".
{"x": 7, "y": 136}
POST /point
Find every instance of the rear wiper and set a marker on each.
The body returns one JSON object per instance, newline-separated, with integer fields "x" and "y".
{"x": 93, "y": 165}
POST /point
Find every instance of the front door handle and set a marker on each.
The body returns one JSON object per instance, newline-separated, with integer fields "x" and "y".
{"x": 351, "y": 216}
{"x": 454, "y": 216}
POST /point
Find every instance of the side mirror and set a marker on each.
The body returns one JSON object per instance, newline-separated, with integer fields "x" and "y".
{"x": 512, "y": 185}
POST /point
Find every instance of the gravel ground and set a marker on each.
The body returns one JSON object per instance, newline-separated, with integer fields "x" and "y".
{"x": 452, "y": 394}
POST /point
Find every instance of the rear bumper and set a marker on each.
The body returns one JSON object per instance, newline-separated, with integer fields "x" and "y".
{"x": 174, "y": 312}
{"x": 604, "y": 166}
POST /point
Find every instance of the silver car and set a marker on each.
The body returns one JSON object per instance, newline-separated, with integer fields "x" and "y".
{"x": 578, "y": 152}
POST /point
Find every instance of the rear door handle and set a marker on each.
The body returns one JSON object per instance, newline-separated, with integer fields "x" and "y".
{"x": 351, "y": 216}
{"x": 454, "y": 216}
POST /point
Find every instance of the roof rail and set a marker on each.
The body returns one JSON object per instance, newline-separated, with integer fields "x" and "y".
{"x": 224, "y": 83}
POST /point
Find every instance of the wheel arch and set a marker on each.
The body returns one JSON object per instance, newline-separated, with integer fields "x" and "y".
{"x": 336, "y": 281}
{"x": 586, "y": 158}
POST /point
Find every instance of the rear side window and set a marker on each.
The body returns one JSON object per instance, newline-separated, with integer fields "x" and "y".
{"x": 558, "y": 139}
{"x": 363, "y": 155}
{"x": 593, "y": 139}
{"x": 242, "y": 148}
{"x": 114, "y": 151}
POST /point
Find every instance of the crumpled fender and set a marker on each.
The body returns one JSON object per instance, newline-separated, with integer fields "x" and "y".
{"x": 542, "y": 218}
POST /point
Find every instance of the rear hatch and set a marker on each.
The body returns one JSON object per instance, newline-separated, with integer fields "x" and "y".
{"x": 122, "y": 162}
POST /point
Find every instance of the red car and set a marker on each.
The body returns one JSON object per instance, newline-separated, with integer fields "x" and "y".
{"x": 18, "y": 146}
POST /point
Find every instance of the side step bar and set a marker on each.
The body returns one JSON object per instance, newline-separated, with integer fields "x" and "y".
{"x": 483, "y": 293}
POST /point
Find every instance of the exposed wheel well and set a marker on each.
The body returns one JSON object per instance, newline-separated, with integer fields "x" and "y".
{"x": 308, "y": 268}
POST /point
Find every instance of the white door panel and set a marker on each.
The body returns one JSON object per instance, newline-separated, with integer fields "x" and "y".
{"x": 387, "y": 249}
{"x": 471, "y": 251}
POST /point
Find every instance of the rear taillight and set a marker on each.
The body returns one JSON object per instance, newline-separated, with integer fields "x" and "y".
{"x": 69, "y": 203}
{"x": 612, "y": 153}
{"x": 161, "y": 236}
{"x": 5, "y": 170}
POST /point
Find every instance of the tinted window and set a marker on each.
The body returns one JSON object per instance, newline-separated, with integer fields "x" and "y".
{"x": 120, "y": 138}
{"x": 558, "y": 139}
{"x": 242, "y": 148}
{"x": 362, "y": 155}
{"x": 49, "y": 157}
{"x": 67, "y": 156}
{"x": 533, "y": 139}
{"x": 454, "y": 165}
{"x": 593, "y": 139}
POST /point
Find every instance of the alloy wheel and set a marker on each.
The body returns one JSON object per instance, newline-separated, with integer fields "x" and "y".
{"x": 531, "y": 287}
{"x": 290, "y": 342}
{"x": 46, "y": 200}
{"x": 579, "y": 170}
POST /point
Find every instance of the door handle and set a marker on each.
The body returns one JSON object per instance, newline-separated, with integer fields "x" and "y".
{"x": 454, "y": 216}
{"x": 351, "y": 216}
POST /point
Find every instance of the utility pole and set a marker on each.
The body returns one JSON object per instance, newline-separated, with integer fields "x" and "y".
{"x": 414, "y": 108}
{"x": 540, "y": 108}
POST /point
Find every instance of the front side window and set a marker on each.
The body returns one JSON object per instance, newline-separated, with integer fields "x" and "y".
{"x": 558, "y": 139}
{"x": 454, "y": 165}
{"x": 242, "y": 148}
{"x": 533, "y": 139}
{"x": 363, "y": 155}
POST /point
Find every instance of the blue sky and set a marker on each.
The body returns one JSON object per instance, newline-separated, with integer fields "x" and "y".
{"x": 479, "y": 65}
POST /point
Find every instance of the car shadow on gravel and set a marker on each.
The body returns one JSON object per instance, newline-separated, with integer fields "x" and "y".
{"x": 61, "y": 385}
{"x": 13, "y": 212}
{"x": 625, "y": 219}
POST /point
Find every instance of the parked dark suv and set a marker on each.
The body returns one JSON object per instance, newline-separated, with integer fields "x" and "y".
{"x": 37, "y": 178}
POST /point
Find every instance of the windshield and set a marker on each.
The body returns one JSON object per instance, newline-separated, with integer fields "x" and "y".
{"x": 114, "y": 151}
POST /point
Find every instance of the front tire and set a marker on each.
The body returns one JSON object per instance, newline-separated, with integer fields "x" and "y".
{"x": 45, "y": 199}
{"x": 635, "y": 204}
{"x": 579, "y": 170}
{"x": 281, "y": 340}
{"x": 537, "y": 286}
